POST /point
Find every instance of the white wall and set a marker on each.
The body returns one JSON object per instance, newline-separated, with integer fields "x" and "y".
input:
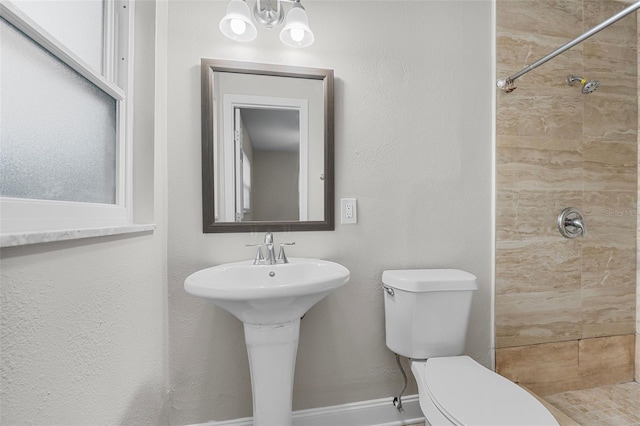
{"x": 84, "y": 334}
{"x": 413, "y": 144}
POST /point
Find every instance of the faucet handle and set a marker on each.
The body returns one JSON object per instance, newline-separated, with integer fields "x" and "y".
{"x": 259, "y": 256}
{"x": 282, "y": 257}
{"x": 571, "y": 223}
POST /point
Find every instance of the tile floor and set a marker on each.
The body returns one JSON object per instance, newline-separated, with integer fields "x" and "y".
{"x": 615, "y": 405}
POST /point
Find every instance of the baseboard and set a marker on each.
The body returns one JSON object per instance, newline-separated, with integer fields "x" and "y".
{"x": 376, "y": 412}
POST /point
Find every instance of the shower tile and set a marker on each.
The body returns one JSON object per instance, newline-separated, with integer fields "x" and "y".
{"x": 614, "y": 65}
{"x": 611, "y": 118}
{"x": 637, "y": 368}
{"x": 559, "y": 18}
{"x": 539, "y": 142}
{"x": 539, "y": 317}
{"x": 557, "y": 148}
{"x": 539, "y": 169}
{"x": 607, "y": 266}
{"x": 608, "y": 311}
{"x": 584, "y": 405}
{"x": 611, "y": 218}
{"x": 543, "y": 266}
{"x": 540, "y": 116}
{"x": 561, "y": 417}
{"x": 610, "y": 166}
{"x": 529, "y": 30}
{"x": 606, "y": 361}
{"x": 531, "y": 215}
{"x": 517, "y": 50}
{"x": 544, "y": 369}
{"x": 597, "y": 11}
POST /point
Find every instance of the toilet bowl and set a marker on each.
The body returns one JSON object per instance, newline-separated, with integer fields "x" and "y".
{"x": 459, "y": 391}
{"x": 426, "y": 320}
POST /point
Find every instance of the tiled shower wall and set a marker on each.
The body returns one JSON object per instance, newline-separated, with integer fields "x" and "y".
{"x": 566, "y": 308}
{"x": 638, "y": 228}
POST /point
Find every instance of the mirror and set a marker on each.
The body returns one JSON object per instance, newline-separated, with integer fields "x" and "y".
{"x": 267, "y": 147}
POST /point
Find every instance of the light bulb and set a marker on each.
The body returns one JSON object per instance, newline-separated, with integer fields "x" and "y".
{"x": 296, "y": 31}
{"x": 297, "y": 34}
{"x": 238, "y": 26}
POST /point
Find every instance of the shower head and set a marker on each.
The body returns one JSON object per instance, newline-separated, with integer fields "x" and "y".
{"x": 588, "y": 86}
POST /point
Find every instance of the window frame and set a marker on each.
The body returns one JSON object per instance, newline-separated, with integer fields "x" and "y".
{"x": 22, "y": 215}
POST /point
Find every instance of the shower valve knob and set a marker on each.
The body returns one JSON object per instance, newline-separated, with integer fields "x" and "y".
{"x": 571, "y": 223}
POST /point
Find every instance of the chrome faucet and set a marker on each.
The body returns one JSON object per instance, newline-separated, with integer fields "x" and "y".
{"x": 270, "y": 258}
{"x": 268, "y": 243}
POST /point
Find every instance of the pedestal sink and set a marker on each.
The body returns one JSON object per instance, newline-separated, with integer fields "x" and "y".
{"x": 269, "y": 300}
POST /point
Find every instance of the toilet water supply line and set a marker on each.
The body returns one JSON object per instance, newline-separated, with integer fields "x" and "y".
{"x": 397, "y": 401}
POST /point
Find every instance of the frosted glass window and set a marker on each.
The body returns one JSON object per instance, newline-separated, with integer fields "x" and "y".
{"x": 79, "y": 25}
{"x": 58, "y": 130}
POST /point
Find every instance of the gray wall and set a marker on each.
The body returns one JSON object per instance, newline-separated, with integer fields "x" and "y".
{"x": 414, "y": 90}
{"x": 275, "y": 185}
{"x": 84, "y": 323}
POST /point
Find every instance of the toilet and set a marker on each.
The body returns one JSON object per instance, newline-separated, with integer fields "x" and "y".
{"x": 426, "y": 320}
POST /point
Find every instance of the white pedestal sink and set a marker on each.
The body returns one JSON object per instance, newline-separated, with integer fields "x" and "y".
{"x": 269, "y": 300}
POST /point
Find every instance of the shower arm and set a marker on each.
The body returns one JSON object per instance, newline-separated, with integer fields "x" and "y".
{"x": 507, "y": 84}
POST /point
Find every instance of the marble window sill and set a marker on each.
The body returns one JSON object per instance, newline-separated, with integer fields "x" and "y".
{"x": 25, "y": 238}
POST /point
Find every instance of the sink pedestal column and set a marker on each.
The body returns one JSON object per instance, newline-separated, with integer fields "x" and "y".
{"x": 272, "y": 359}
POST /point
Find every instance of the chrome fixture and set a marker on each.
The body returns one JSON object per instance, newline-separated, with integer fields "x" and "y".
{"x": 571, "y": 223}
{"x": 271, "y": 258}
{"x": 282, "y": 256}
{"x": 397, "y": 401}
{"x": 237, "y": 24}
{"x": 508, "y": 84}
{"x": 268, "y": 242}
{"x": 588, "y": 86}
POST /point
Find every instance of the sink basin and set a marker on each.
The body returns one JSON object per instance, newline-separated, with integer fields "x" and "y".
{"x": 268, "y": 294}
{"x": 269, "y": 300}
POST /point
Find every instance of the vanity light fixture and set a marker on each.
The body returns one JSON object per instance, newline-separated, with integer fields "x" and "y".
{"x": 237, "y": 23}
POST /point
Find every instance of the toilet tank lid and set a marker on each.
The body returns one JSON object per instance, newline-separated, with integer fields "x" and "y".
{"x": 419, "y": 280}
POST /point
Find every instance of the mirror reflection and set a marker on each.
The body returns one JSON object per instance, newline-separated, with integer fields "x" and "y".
{"x": 267, "y": 147}
{"x": 268, "y": 166}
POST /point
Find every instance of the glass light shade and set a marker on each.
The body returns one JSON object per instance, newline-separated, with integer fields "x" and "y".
{"x": 296, "y": 31}
{"x": 236, "y": 24}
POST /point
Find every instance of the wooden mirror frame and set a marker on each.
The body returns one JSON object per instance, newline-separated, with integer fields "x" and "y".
{"x": 208, "y": 69}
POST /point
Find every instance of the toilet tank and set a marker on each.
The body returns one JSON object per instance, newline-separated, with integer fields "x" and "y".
{"x": 427, "y": 311}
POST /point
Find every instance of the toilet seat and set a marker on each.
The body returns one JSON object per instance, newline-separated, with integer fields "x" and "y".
{"x": 468, "y": 394}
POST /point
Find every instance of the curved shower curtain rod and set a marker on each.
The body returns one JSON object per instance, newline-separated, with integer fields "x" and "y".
{"x": 507, "y": 84}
